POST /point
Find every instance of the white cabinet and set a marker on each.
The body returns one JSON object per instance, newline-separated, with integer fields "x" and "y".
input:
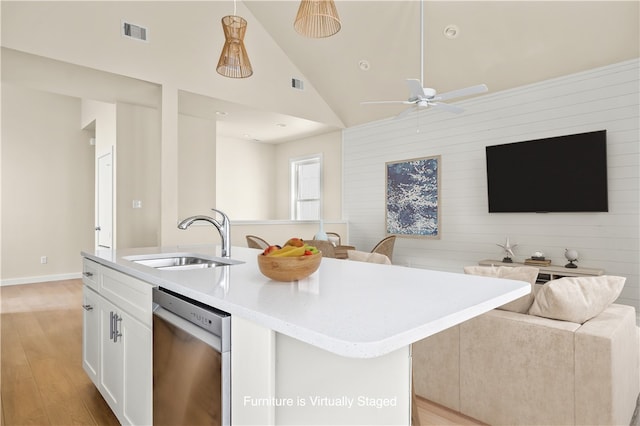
{"x": 91, "y": 333}
{"x": 137, "y": 373}
{"x": 112, "y": 366}
{"x": 117, "y": 342}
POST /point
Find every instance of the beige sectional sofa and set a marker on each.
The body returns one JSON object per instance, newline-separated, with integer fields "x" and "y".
{"x": 507, "y": 367}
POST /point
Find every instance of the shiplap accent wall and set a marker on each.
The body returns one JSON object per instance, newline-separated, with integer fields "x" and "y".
{"x": 603, "y": 98}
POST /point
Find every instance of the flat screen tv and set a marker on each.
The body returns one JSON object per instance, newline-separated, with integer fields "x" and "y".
{"x": 558, "y": 174}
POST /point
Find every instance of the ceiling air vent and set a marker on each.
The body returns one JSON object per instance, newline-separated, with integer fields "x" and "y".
{"x": 134, "y": 31}
{"x": 297, "y": 84}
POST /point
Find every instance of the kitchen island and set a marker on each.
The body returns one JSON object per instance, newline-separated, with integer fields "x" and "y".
{"x": 333, "y": 348}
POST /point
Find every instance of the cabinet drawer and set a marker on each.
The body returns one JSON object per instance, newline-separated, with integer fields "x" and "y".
{"x": 91, "y": 274}
{"x": 128, "y": 293}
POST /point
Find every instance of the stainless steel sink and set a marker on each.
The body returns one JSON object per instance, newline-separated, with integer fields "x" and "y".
{"x": 181, "y": 261}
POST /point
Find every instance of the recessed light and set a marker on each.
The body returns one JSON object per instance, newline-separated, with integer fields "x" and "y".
{"x": 221, "y": 113}
{"x": 364, "y": 65}
{"x": 281, "y": 125}
{"x": 451, "y": 31}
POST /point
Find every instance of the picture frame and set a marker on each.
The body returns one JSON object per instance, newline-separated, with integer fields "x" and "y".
{"x": 412, "y": 201}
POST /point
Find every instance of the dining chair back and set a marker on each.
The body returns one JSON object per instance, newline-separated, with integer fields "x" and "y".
{"x": 324, "y": 246}
{"x": 335, "y": 237}
{"x": 385, "y": 246}
{"x": 256, "y": 242}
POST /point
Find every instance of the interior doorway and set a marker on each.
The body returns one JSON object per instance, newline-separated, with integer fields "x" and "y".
{"x": 104, "y": 201}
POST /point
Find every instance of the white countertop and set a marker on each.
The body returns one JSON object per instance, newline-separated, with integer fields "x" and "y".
{"x": 353, "y": 309}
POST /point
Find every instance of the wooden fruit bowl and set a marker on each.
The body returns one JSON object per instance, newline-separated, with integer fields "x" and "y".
{"x": 289, "y": 268}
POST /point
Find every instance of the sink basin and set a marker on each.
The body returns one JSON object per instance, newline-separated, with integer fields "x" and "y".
{"x": 181, "y": 261}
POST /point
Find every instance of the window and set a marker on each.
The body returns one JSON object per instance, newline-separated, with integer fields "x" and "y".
{"x": 306, "y": 188}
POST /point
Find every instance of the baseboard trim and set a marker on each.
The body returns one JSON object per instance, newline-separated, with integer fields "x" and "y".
{"x": 40, "y": 279}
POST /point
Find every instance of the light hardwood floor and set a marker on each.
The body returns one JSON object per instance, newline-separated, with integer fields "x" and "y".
{"x": 42, "y": 381}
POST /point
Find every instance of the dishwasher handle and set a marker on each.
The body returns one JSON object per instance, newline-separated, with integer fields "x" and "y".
{"x": 212, "y": 340}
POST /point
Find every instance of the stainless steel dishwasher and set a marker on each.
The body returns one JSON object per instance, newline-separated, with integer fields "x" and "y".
{"x": 191, "y": 362}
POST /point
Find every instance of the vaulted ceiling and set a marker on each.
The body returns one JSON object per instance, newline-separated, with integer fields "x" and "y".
{"x": 503, "y": 44}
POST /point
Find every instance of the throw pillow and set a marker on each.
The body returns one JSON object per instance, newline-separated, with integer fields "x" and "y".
{"x": 363, "y": 256}
{"x": 520, "y": 273}
{"x": 576, "y": 299}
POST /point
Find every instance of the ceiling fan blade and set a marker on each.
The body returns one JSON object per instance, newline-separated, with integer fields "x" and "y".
{"x": 446, "y": 107}
{"x": 415, "y": 88}
{"x": 385, "y": 102}
{"x": 407, "y": 112}
{"x": 473, "y": 90}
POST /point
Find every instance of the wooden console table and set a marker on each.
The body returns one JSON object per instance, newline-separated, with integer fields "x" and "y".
{"x": 548, "y": 273}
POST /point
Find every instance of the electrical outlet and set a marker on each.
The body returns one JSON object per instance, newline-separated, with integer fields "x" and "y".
{"x": 137, "y": 204}
{"x": 43, "y": 259}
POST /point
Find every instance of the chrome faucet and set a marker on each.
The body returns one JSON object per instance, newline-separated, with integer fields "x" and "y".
{"x": 223, "y": 228}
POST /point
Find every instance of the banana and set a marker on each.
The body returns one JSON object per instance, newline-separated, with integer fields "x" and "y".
{"x": 288, "y": 251}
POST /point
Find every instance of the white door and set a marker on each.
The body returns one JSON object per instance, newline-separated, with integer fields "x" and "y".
{"x": 104, "y": 202}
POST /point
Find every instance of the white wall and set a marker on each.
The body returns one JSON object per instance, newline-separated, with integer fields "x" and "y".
{"x": 330, "y": 146}
{"x": 604, "y": 98}
{"x": 138, "y": 176}
{"x": 47, "y": 186}
{"x": 253, "y": 178}
{"x": 245, "y": 182}
{"x": 196, "y": 166}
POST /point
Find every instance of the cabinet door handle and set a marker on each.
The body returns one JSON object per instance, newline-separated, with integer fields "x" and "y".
{"x": 88, "y": 274}
{"x": 110, "y": 325}
{"x": 87, "y": 307}
{"x": 116, "y": 333}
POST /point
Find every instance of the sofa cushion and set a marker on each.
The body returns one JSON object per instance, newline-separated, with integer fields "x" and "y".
{"x": 576, "y": 299}
{"x": 520, "y": 273}
{"x": 363, "y": 256}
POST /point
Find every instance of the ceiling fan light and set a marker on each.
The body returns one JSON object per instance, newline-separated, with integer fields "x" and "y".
{"x": 317, "y": 19}
{"x": 234, "y": 61}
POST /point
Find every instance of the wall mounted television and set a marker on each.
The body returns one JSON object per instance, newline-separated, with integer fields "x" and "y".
{"x": 557, "y": 174}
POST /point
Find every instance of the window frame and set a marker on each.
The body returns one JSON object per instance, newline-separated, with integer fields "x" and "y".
{"x": 294, "y": 164}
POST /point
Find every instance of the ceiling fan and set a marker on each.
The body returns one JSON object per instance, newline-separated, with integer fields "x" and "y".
{"x": 422, "y": 97}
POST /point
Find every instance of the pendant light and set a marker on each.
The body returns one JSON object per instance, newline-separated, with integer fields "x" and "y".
{"x": 317, "y": 19}
{"x": 234, "y": 61}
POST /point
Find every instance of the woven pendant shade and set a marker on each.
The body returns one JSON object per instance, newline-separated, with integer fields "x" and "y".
{"x": 234, "y": 61}
{"x": 317, "y": 19}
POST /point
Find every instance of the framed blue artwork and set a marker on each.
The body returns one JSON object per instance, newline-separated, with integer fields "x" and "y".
{"x": 412, "y": 197}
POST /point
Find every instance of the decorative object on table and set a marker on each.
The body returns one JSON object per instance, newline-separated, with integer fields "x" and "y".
{"x": 321, "y": 235}
{"x": 317, "y": 19}
{"x": 537, "y": 259}
{"x": 508, "y": 251}
{"x": 538, "y": 255}
{"x": 412, "y": 193}
{"x": 572, "y": 256}
{"x": 234, "y": 61}
{"x": 533, "y": 262}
